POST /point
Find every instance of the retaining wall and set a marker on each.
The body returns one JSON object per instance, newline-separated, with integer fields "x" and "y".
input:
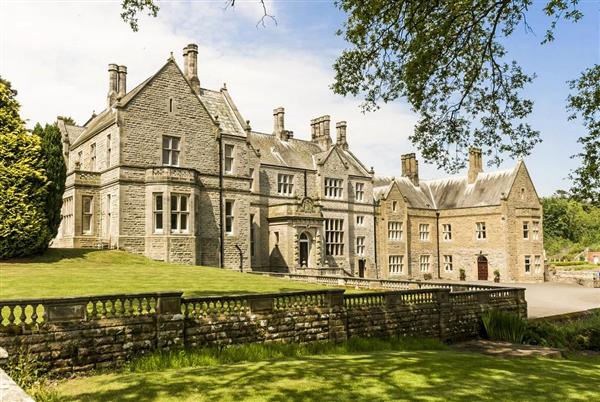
{"x": 79, "y": 334}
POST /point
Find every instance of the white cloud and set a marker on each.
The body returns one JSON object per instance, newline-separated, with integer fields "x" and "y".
{"x": 56, "y": 56}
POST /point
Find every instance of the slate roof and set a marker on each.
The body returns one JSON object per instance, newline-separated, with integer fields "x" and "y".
{"x": 72, "y": 132}
{"x": 451, "y": 192}
{"x": 217, "y": 104}
{"x": 291, "y": 153}
{"x": 101, "y": 121}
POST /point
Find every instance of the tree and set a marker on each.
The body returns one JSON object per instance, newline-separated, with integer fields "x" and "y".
{"x": 23, "y": 184}
{"x": 585, "y": 104}
{"x": 56, "y": 172}
{"x": 67, "y": 119}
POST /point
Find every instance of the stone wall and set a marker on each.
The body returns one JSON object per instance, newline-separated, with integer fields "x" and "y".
{"x": 80, "y": 334}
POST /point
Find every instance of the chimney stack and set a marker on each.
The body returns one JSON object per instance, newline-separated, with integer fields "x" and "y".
{"x": 113, "y": 79}
{"x": 320, "y": 131}
{"x": 475, "y": 164}
{"x": 122, "y": 81}
{"x": 279, "y": 123}
{"x": 410, "y": 168}
{"x": 190, "y": 66}
{"x": 341, "y": 134}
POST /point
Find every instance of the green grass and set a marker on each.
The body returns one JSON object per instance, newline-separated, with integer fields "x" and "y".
{"x": 77, "y": 272}
{"x": 383, "y": 375}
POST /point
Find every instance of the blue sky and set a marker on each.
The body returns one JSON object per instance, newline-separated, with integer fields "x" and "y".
{"x": 56, "y": 52}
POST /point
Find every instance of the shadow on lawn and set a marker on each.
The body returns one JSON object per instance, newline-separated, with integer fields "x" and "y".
{"x": 363, "y": 377}
{"x": 51, "y": 255}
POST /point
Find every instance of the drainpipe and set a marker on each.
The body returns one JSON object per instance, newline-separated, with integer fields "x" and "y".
{"x": 221, "y": 228}
{"x": 241, "y": 257}
{"x": 437, "y": 225}
{"x": 375, "y": 238}
{"x": 305, "y": 189}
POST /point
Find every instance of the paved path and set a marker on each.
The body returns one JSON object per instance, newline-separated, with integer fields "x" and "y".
{"x": 553, "y": 298}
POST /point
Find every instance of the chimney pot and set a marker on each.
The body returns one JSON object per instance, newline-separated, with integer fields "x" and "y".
{"x": 410, "y": 168}
{"x": 190, "y": 66}
{"x": 279, "y": 123}
{"x": 475, "y": 164}
{"x": 122, "y": 81}
{"x": 113, "y": 79}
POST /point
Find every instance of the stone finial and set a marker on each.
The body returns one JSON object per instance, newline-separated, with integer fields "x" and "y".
{"x": 410, "y": 168}
{"x": 190, "y": 66}
{"x": 475, "y": 164}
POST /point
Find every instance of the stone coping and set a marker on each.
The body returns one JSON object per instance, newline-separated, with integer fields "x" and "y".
{"x": 343, "y": 281}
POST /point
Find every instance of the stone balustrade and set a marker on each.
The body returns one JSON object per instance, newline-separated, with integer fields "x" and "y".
{"x": 84, "y": 333}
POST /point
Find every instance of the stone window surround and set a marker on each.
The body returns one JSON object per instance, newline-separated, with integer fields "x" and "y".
{"x": 447, "y": 231}
{"x": 229, "y": 218}
{"x": 334, "y": 236}
{"x": 334, "y": 188}
{"x": 360, "y": 220}
{"x": 252, "y": 236}
{"x": 93, "y": 157}
{"x": 448, "y": 263}
{"x": 108, "y": 150}
{"x": 527, "y": 263}
{"x": 395, "y": 230}
{"x": 179, "y": 210}
{"x": 537, "y": 263}
{"x": 525, "y": 230}
{"x": 228, "y": 158}
{"x": 424, "y": 232}
{"x": 158, "y": 209}
{"x": 396, "y": 264}
{"x": 535, "y": 230}
{"x": 67, "y": 216}
{"x": 394, "y": 206}
{"x": 87, "y": 214}
{"x": 359, "y": 191}
{"x": 171, "y": 150}
{"x": 285, "y": 184}
{"x": 424, "y": 262}
{"x": 480, "y": 231}
{"x": 360, "y": 245}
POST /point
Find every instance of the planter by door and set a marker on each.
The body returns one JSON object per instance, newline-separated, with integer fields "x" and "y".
{"x": 482, "y": 268}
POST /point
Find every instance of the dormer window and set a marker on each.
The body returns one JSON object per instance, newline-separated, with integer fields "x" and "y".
{"x": 170, "y": 154}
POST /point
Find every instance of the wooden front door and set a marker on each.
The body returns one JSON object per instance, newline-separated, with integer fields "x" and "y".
{"x": 482, "y": 268}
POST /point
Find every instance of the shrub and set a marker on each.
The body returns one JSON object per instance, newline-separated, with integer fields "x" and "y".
{"x": 427, "y": 277}
{"x": 581, "y": 334}
{"x": 23, "y": 184}
{"x": 502, "y": 326}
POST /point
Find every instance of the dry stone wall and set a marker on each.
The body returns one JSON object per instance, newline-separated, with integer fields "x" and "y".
{"x": 80, "y": 334}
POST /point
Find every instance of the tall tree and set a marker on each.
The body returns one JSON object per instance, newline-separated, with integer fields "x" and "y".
{"x": 585, "y": 104}
{"x": 56, "y": 172}
{"x": 23, "y": 189}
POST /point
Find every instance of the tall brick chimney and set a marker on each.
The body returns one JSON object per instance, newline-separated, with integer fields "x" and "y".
{"x": 190, "y": 66}
{"x": 410, "y": 168}
{"x": 122, "y": 81}
{"x": 341, "y": 134}
{"x": 320, "y": 131}
{"x": 113, "y": 79}
{"x": 475, "y": 164}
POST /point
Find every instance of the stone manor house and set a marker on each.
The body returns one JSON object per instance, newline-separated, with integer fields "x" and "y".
{"x": 173, "y": 171}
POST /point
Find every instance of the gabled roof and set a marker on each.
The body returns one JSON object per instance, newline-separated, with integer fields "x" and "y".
{"x": 452, "y": 192}
{"x": 291, "y": 153}
{"x": 218, "y": 104}
{"x": 97, "y": 124}
{"x": 69, "y": 131}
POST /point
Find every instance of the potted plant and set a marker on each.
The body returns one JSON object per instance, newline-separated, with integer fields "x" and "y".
{"x": 496, "y": 276}
{"x": 463, "y": 275}
{"x": 427, "y": 277}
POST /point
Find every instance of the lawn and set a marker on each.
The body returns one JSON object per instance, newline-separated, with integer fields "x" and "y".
{"x": 442, "y": 375}
{"x": 77, "y": 272}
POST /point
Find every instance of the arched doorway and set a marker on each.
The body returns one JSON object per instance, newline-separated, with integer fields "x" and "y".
{"x": 304, "y": 246}
{"x": 482, "y": 268}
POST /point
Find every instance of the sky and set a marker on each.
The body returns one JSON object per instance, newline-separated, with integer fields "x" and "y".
{"x": 56, "y": 54}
